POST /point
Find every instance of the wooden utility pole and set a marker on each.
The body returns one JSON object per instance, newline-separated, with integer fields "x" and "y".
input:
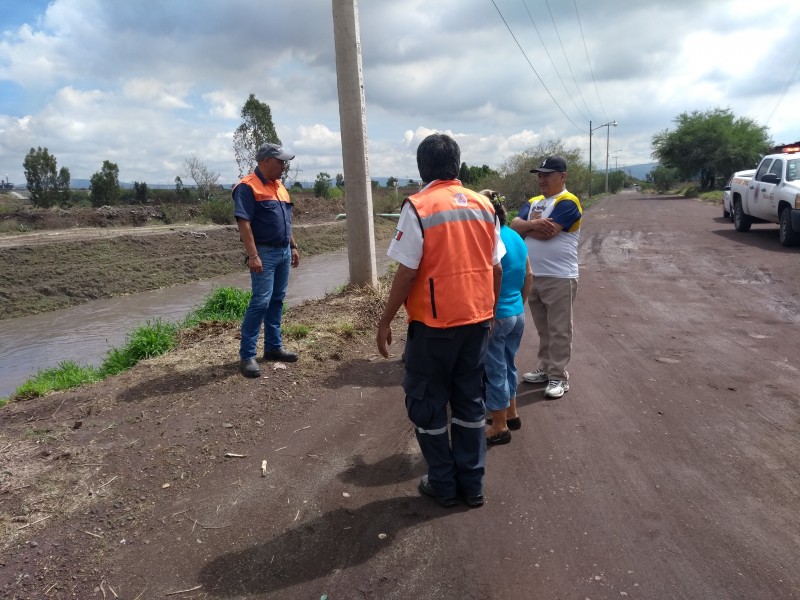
{"x": 353, "y": 124}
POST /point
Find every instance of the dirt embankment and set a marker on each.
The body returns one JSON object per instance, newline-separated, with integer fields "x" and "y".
{"x": 56, "y": 268}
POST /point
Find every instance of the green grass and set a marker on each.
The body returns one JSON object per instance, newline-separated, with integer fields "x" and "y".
{"x": 65, "y": 376}
{"x": 146, "y": 341}
{"x": 296, "y": 332}
{"x": 223, "y": 304}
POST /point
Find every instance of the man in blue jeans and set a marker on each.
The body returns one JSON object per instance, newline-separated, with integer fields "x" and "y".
{"x": 263, "y": 213}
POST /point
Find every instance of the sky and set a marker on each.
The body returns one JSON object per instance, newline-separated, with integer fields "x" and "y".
{"x": 148, "y": 84}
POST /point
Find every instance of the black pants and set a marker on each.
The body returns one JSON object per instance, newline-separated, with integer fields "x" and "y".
{"x": 445, "y": 367}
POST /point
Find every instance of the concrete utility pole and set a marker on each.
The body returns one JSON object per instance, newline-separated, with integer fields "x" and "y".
{"x": 353, "y": 123}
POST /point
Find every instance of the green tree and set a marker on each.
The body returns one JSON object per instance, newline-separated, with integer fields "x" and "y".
{"x": 514, "y": 180}
{"x": 391, "y": 182}
{"x": 463, "y": 174}
{"x": 256, "y": 129}
{"x": 322, "y": 186}
{"x": 340, "y": 181}
{"x": 204, "y": 178}
{"x": 47, "y": 185}
{"x": 711, "y": 145}
{"x": 140, "y": 192}
{"x": 104, "y": 185}
{"x": 478, "y": 174}
{"x": 663, "y": 177}
{"x": 181, "y": 191}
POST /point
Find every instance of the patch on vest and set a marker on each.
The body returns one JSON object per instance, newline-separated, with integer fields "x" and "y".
{"x": 398, "y": 234}
{"x": 461, "y": 199}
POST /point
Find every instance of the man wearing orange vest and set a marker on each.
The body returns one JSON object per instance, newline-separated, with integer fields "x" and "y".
{"x": 263, "y": 213}
{"x": 448, "y": 245}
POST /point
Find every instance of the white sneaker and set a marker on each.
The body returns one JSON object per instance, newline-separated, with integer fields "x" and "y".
{"x": 537, "y": 376}
{"x": 556, "y": 388}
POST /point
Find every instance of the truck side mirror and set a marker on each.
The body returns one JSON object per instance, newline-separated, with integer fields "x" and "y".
{"x": 770, "y": 178}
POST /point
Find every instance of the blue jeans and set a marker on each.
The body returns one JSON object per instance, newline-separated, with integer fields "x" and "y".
{"x": 266, "y": 304}
{"x": 501, "y": 372}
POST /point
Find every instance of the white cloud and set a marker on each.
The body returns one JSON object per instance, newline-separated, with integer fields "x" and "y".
{"x": 149, "y": 83}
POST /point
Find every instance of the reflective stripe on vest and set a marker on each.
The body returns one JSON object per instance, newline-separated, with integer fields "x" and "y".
{"x": 455, "y": 283}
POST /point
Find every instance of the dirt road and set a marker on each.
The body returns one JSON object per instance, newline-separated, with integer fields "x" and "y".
{"x": 671, "y": 469}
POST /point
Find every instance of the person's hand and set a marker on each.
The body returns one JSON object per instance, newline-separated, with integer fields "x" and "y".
{"x": 295, "y": 257}
{"x": 254, "y": 262}
{"x": 544, "y": 227}
{"x": 384, "y": 338}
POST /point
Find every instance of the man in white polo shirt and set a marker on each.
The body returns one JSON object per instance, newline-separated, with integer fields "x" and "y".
{"x": 551, "y": 228}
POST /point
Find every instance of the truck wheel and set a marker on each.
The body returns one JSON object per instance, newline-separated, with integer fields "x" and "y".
{"x": 788, "y": 236}
{"x": 741, "y": 221}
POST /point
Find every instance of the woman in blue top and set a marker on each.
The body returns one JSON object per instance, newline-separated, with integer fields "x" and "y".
{"x": 501, "y": 372}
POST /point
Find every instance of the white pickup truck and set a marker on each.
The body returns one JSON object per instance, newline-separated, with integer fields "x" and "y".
{"x": 772, "y": 195}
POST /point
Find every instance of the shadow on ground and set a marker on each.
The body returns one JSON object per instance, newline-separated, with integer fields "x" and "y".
{"x": 335, "y": 541}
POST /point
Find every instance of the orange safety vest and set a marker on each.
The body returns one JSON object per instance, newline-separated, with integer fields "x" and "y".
{"x": 455, "y": 282}
{"x": 272, "y": 190}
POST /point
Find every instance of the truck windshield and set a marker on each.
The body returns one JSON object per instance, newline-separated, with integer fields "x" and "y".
{"x": 793, "y": 169}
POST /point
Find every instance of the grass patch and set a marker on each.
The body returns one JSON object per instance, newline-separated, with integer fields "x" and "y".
{"x": 149, "y": 340}
{"x": 146, "y": 341}
{"x": 65, "y": 376}
{"x": 714, "y": 196}
{"x": 296, "y": 331}
{"x": 223, "y": 304}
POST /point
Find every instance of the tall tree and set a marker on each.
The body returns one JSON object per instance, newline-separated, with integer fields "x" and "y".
{"x": 515, "y": 181}
{"x": 104, "y": 185}
{"x": 256, "y": 129}
{"x": 322, "y": 186}
{"x": 204, "y": 178}
{"x": 711, "y": 145}
{"x": 140, "y": 192}
{"x": 47, "y": 185}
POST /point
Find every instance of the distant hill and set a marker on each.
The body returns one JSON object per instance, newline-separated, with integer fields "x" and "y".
{"x": 640, "y": 171}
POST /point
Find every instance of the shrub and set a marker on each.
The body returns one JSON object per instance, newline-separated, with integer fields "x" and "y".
{"x": 218, "y": 211}
{"x": 223, "y": 304}
{"x": 149, "y": 340}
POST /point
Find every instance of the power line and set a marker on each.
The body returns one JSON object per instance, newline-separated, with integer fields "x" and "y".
{"x": 785, "y": 89}
{"x": 533, "y": 69}
{"x": 586, "y": 50}
{"x": 546, "y": 51}
{"x": 565, "y": 57}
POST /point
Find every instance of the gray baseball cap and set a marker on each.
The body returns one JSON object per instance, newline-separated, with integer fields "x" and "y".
{"x": 273, "y": 151}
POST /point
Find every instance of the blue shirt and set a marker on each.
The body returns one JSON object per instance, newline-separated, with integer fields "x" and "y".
{"x": 565, "y": 213}
{"x": 270, "y": 220}
{"x": 514, "y": 261}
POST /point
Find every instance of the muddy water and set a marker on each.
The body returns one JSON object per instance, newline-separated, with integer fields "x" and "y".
{"x": 85, "y": 333}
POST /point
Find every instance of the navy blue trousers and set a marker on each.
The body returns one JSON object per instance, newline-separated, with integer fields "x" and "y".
{"x": 445, "y": 368}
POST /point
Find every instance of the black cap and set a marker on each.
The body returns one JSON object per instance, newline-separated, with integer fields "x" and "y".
{"x": 551, "y": 164}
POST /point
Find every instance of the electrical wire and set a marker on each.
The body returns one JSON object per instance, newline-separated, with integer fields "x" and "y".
{"x": 566, "y": 58}
{"x": 546, "y": 51}
{"x": 785, "y": 89}
{"x": 533, "y": 68}
{"x": 586, "y": 50}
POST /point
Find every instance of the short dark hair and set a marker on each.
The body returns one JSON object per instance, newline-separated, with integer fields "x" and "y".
{"x": 438, "y": 157}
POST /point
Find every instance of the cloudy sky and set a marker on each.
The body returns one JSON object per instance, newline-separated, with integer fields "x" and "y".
{"x": 149, "y": 83}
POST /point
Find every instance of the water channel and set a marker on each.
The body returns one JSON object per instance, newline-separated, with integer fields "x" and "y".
{"x": 85, "y": 333}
